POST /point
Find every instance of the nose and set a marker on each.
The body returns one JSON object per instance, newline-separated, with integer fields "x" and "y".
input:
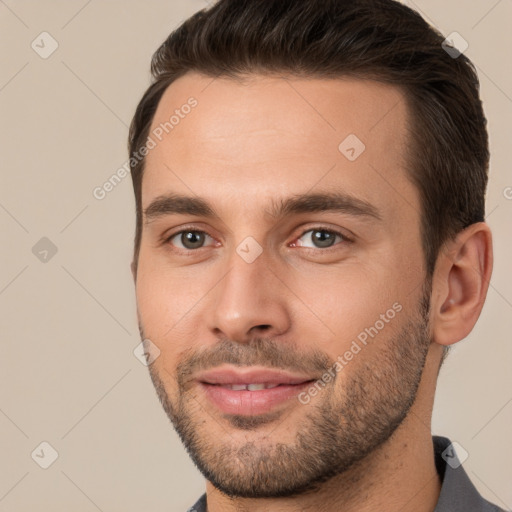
{"x": 249, "y": 301}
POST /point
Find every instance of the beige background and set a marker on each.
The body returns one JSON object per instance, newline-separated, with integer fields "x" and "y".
{"x": 68, "y": 326}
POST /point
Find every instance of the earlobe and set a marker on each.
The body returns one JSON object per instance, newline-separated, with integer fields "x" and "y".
{"x": 460, "y": 283}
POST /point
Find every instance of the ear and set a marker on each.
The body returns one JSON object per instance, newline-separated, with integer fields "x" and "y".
{"x": 460, "y": 283}
{"x": 133, "y": 267}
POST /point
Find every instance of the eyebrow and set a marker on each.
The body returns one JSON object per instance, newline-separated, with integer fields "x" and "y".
{"x": 175, "y": 204}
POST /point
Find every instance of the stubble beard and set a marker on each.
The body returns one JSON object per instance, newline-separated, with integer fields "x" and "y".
{"x": 338, "y": 430}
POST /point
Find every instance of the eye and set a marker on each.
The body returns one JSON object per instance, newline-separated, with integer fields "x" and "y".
{"x": 315, "y": 238}
{"x": 189, "y": 239}
{"x": 320, "y": 238}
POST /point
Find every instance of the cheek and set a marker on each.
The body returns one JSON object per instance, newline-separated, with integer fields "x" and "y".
{"x": 348, "y": 299}
{"x": 364, "y": 317}
{"x": 168, "y": 301}
{"x": 160, "y": 308}
{"x": 158, "y": 296}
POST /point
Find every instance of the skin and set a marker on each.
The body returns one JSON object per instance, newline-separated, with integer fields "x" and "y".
{"x": 244, "y": 145}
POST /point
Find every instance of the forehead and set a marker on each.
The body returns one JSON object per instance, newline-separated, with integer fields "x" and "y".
{"x": 270, "y": 137}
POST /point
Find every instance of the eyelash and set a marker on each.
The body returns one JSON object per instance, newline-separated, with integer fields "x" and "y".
{"x": 193, "y": 229}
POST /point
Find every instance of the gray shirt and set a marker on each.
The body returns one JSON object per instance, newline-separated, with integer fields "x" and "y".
{"x": 458, "y": 494}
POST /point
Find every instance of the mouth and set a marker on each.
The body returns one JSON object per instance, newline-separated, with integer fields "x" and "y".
{"x": 248, "y": 387}
{"x": 251, "y": 391}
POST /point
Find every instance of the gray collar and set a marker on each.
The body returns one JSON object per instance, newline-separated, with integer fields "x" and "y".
{"x": 458, "y": 494}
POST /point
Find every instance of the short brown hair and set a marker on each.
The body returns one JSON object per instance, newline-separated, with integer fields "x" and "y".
{"x": 380, "y": 40}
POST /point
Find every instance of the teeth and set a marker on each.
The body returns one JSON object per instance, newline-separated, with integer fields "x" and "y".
{"x": 238, "y": 387}
{"x": 255, "y": 387}
{"x": 250, "y": 387}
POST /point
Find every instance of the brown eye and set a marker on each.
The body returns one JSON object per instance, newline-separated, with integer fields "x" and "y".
{"x": 189, "y": 239}
{"x": 320, "y": 238}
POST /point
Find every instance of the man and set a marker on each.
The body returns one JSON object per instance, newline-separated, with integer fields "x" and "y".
{"x": 309, "y": 179}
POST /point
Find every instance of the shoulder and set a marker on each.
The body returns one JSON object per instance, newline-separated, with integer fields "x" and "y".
{"x": 199, "y": 505}
{"x": 458, "y": 494}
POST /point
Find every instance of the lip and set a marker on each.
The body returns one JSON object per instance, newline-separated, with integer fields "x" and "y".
{"x": 251, "y": 375}
{"x": 249, "y": 403}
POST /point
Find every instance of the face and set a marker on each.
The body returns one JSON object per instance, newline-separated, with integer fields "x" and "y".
{"x": 281, "y": 276}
